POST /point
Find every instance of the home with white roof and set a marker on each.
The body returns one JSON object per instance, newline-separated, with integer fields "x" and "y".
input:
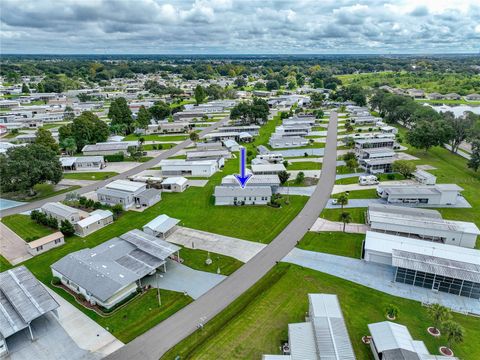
{"x": 162, "y": 226}
{"x": 128, "y": 194}
{"x": 236, "y": 195}
{"x": 439, "y": 194}
{"x": 61, "y": 212}
{"x": 96, "y": 220}
{"x": 200, "y": 168}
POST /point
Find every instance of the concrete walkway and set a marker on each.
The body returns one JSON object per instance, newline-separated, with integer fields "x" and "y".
{"x": 181, "y": 278}
{"x": 322, "y": 225}
{"x": 74, "y": 182}
{"x": 378, "y": 277}
{"x": 12, "y": 247}
{"x": 242, "y": 250}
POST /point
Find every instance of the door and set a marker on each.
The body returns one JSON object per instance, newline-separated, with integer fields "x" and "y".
{"x": 436, "y": 285}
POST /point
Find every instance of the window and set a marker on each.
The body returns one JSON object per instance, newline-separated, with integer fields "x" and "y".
{"x": 40, "y": 248}
{"x": 57, "y": 241}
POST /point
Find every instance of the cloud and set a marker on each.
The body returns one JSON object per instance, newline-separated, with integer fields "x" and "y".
{"x": 239, "y": 26}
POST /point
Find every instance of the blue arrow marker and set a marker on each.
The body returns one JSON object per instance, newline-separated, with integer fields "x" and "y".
{"x": 243, "y": 177}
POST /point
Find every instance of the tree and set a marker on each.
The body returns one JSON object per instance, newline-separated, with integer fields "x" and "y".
{"x": 352, "y": 164}
{"x": 346, "y": 218}
{"x": 459, "y": 127}
{"x": 193, "y": 136}
{"x": 200, "y": 94}
{"x": 25, "y": 89}
{"x": 453, "y": 331}
{"x": 143, "y": 118}
{"x": 392, "y": 311}
{"x": 404, "y": 167}
{"x": 342, "y": 200}
{"x": 69, "y": 145}
{"x": 426, "y": 134}
{"x": 438, "y": 314}
{"x": 319, "y": 114}
{"x": 300, "y": 178}
{"x": 283, "y": 176}
{"x": 272, "y": 85}
{"x": 23, "y": 167}
{"x": 117, "y": 210}
{"x": 45, "y": 138}
{"x": 160, "y": 110}
{"x": 85, "y": 129}
{"x": 241, "y": 111}
{"x": 240, "y": 82}
{"x": 134, "y": 152}
{"x": 474, "y": 162}
{"x": 215, "y": 92}
{"x": 67, "y": 228}
{"x": 120, "y": 114}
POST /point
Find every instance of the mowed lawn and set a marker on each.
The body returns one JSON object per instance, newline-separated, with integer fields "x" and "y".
{"x": 26, "y": 228}
{"x": 335, "y": 243}
{"x": 90, "y": 175}
{"x": 257, "y": 322}
{"x": 305, "y": 165}
{"x": 357, "y": 214}
{"x": 359, "y": 194}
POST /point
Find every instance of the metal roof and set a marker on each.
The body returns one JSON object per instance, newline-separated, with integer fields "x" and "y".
{"x": 228, "y": 191}
{"x": 95, "y": 216}
{"x": 329, "y": 328}
{"x": 402, "y": 210}
{"x": 267, "y": 167}
{"x": 434, "y": 265}
{"x": 178, "y": 180}
{"x": 115, "y": 264}
{"x": 181, "y": 162}
{"x": 387, "y": 335}
{"x": 302, "y": 341}
{"x": 22, "y": 299}
{"x": 59, "y": 209}
{"x": 125, "y": 185}
{"x": 266, "y": 180}
{"x": 162, "y": 223}
{"x": 114, "y": 193}
{"x": 109, "y": 146}
{"x": 420, "y": 189}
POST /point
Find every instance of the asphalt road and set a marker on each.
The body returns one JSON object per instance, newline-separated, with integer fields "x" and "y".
{"x": 144, "y": 166}
{"x": 154, "y": 343}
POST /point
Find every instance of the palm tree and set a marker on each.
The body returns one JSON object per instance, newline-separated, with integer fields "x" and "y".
{"x": 342, "y": 200}
{"x": 392, "y": 311}
{"x": 194, "y": 136}
{"x": 438, "y": 314}
{"x": 346, "y": 218}
{"x": 453, "y": 331}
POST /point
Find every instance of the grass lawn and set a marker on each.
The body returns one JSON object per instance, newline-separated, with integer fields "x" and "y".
{"x": 195, "y": 259}
{"x": 360, "y": 194}
{"x": 336, "y": 243}
{"x": 263, "y": 135}
{"x": 42, "y": 191}
{"x": 158, "y": 146}
{"x": 155, "y": 137}
{"x": 257, "y": 322}
{"x": 342, "y": 169}
{"x": 4, "y": 264}
{"x": 89, "y": 175}
{"x": 26, "y": 228}
{"x": 11, "y": 135}
{"x": 305, "y": 165}
{"x": 357, "y": 214}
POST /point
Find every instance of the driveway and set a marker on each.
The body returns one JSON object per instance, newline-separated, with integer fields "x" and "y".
{"x": 378, "y": 277}
{"x": 322, "y": 225}
{"x": 307, "y": 159}
{"x": 12, "y": 247}
{"x": 181, "y": 278}
{"x": 242, "y": 250}
{"x": 297, "y": 190}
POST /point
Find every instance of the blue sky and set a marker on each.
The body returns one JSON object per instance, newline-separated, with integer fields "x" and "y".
{"x": 239, "y": 27}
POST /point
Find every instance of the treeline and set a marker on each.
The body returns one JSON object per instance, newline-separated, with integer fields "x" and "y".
{"x": 428, "y": 128}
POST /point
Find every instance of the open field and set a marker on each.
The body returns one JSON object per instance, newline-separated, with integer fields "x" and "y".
{"x": 336, "y": 243}
{"x": 89, "y": 175}
{"x": 257, "y": 322}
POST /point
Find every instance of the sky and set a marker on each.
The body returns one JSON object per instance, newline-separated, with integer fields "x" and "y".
{"x": 239, "y": 26}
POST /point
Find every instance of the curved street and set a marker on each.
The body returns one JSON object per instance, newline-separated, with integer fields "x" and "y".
{"x": 92, "y": 187}
{"x": 158, "y": 340}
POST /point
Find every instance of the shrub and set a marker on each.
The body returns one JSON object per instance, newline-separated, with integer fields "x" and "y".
{"x": 56, "y": 280}
{"x": 392, "y": 311}
{"x": 67, "y": 228}
{"x": 81, "y": 298}
{"x": 115, "y": 157}
{"x": 390, "y": 176}
{"x": 97, "y": 205}
{"x": 117, "y": 210}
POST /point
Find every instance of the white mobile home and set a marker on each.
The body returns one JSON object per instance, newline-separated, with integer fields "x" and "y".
{"x": 440, "y": 194}
{"x": 203, "y": 168}
{"x": 45, "y": 243}
{"x": 95, "y": 221}
{"x": 175, "y": 184}
{"x": 128, "y": 194}
{"x": 108, "y": 148}
{"x": 61, "y": 212}
{"x": 235, "y": 195}
{"x": 267, "y": 169}
{"x": 162, "y": 226}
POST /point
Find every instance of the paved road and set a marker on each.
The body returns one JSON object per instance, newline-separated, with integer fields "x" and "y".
{"x": 155, "y": 342}
{"x": 99, "y": 184}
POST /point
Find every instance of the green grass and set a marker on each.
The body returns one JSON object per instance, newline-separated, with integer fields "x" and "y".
{"x": 25, "y": 227}
{"x": 357, "y": 214}
{"x": 305, "y": 165}
{"x": 336, "y": 243}
{"x": 196, "y": 258}
{"x": 158, "y": 146}
{"x": 4, "y": 264}
{"x": 11, "y": 135}
{"x": 315, "y": 145}
{"x": 264, "y": 134}
{"x": 342, "y": 169}
{"x": 359, "y": 194}
{"x": 42, "y": 191}
{"x": 257, "y": 322}
{"x": 89, "y": 175}
{"x": 155, "y": 137}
